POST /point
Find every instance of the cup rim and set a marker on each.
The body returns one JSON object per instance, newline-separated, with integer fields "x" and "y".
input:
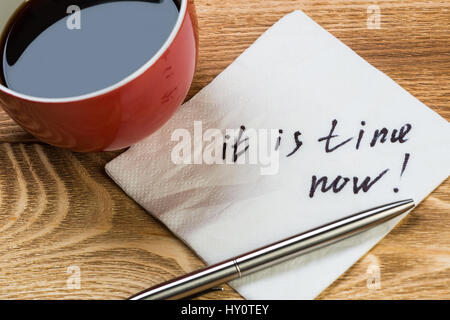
{"x": 129, "y": 78}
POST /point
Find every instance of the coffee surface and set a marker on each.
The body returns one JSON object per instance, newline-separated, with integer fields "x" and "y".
{"x": 51, "y": 50}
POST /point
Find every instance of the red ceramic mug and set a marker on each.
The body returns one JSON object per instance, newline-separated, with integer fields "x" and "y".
{"x": 122, "y": 114}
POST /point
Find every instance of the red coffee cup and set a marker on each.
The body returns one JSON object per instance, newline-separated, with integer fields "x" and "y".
{"x": 122, "y": 114}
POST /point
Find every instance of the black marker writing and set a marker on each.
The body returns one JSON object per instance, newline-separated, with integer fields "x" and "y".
{"x": 278, "y": 140}
{"x": 402, "y": 133}
{"x": 405, "y": 163}
{"x": 237, "y": 154}
{"x": 361, "y": 134}
{"x": 331, "y": 136}
{"x": 224, "y": 148}
{"x": 377, "y": 134}
{"x": 396, "y": 135}
{"x": 324, "y": 188}
{"x": 365, "y": 185}
{"x": 298, "y": 143}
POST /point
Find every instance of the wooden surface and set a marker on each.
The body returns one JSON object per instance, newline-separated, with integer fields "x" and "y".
{"x": 59, "y": 209}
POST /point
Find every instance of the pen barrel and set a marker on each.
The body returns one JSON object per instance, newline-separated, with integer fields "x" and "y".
{"x": 202, "y": 280}
{"x": 320, "y": 237}
{"x": 192, "y": 283}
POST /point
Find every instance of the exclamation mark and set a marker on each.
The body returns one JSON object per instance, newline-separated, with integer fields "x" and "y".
{"x": 405, "y": 163}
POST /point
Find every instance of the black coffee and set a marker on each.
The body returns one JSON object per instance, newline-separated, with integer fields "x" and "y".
{"x": 50, "y": 49}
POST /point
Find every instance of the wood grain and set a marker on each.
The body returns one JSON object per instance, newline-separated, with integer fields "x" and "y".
{"x": 59, "y": 209}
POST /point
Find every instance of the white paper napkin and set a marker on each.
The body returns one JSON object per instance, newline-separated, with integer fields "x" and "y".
{"x": 299, "y": 78}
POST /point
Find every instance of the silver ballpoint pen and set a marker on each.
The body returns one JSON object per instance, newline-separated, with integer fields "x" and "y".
{"x": 210, "y": 277}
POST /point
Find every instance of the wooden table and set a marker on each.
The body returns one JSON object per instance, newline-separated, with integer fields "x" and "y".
{"x": 58, "y": 209}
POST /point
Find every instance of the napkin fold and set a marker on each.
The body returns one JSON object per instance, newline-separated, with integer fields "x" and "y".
{"x": 298, "y": 131}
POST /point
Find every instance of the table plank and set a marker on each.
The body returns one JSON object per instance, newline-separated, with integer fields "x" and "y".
{"x": 59, "y": 209}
